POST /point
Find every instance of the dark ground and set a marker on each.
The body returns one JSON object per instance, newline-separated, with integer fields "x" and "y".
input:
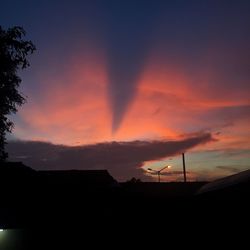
{"x": 51, "y": 213}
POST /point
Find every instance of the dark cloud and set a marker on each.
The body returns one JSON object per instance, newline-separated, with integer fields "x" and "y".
{"x": 228, "y": 168}
{"x": 224, "y": 117}
{"x": 234, "y": 152}
{"x": 175, "y": 173}
{"x": 122, "y": 159}
{"x": 229, "y": 114}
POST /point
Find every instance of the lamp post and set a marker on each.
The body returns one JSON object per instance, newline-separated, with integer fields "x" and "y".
{"x": 158, "y": 172}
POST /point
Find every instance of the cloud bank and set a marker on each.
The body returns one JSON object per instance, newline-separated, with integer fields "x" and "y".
{"x": 122, "y": 159}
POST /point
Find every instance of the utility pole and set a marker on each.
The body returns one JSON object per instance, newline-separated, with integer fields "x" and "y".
{"x": 184, "y": 167}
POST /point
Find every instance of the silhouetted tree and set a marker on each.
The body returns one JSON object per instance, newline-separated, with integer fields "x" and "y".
{"x": 13, "y": 56}
{"x": 134, "y": 180}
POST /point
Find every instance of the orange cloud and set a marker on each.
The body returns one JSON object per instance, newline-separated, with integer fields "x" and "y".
{"x": 170, "y": 103}
{"x": 73, "y": 108}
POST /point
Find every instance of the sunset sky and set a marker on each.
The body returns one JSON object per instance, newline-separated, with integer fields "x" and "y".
{"x": 130, "y": 85}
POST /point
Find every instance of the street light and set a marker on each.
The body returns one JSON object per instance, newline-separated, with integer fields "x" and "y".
{"x": 158, "y": 172}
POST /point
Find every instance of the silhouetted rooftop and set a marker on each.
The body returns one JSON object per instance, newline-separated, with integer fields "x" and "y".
{"x": 95, "y": 177}
{"x": 14, "y": 167}
{"x": 15, "y": 171}
{"x": 18, "y": 171}
{"x": 231, "y": 181}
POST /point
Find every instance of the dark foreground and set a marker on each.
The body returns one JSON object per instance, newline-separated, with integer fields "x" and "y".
{"x": 41, "y": 211}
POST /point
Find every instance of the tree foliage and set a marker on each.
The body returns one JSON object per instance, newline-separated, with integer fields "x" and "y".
{"x": 13, "y": 57}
